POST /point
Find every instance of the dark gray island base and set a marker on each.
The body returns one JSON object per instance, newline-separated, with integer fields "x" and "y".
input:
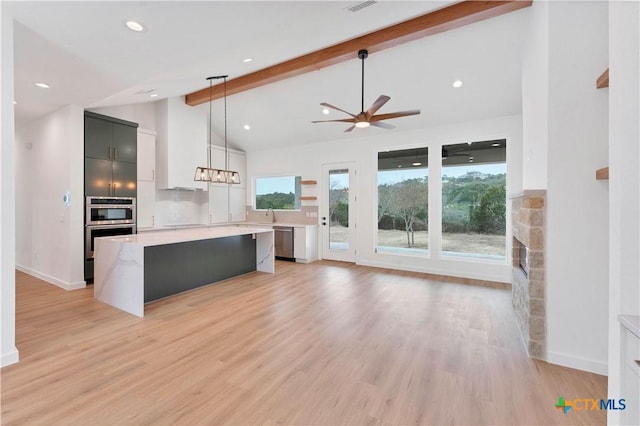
{"x": 135, "y": 269}
{"x": 174, "y": 268}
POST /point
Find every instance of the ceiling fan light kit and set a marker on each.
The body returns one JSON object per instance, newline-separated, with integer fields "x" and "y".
{"x": 368, "y": 118}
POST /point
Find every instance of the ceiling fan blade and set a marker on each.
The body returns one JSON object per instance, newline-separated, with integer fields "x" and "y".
{"x": 382, "y": 99}
{"x": 344, "y": 120}
{"x": 382, "y": 125}
{"x": 324, "y": 104}
{"x": 395, "y": 115}
{"x": 350, "y": 128}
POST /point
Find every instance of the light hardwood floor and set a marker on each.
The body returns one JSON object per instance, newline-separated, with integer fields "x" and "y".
{"x": 325, "y": 344}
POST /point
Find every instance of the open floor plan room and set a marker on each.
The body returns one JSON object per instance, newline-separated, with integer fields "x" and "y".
{"x": 324, "y": 343}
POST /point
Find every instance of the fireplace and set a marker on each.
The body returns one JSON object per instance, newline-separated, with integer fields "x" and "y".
{"x": 528, "y": 272}
{"x": 522, "y": 259}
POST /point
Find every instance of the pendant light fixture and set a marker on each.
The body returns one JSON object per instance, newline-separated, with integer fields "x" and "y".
{"x": 209, "y": 174}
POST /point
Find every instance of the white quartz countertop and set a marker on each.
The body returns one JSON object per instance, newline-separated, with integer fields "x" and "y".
{"x": 631, "y": 323}
{"x": 220, "y": 225}
{"x": 183, "y": 235}
{"x": 294, "y": 225}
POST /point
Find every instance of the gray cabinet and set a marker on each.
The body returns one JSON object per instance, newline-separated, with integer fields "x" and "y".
{"x": 98, "y": 136}
{"x": 106, "y": 178}
{"x": 110, "y": 147}
{"x": 125, "y": 142}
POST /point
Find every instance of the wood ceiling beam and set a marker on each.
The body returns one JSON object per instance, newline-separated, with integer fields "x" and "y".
{"x": 438, "y": 21}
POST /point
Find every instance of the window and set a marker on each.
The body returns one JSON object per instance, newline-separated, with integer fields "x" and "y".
{"x": 278, "y": 193}
{"x": 474, "y": 199}
{"x": 403, "y": 201}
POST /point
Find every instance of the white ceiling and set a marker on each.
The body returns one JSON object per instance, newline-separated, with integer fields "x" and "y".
{"x": 84, "y": 51}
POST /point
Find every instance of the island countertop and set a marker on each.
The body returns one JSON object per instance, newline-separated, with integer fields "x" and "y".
{"x": 147, "y": 239}
{"x": 132, "y": 270}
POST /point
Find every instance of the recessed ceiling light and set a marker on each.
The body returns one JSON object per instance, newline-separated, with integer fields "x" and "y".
{"x": 495, "y": 144}
{"x": 247, "y": 127}
{"x": 325, "y": 111}
{"x": 417, "y": 163}
{"x": 399, "y": 166}
{"x": 245, "y": 60}
{"x": 134, "y": 26}
{"x": 14, "y": 102}
{"x": 42, "y": 85}
{"x": 153, "y": 95}
{"x": 457, "y": 83}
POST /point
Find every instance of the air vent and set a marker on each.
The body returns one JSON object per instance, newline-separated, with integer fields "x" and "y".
{"x": 361, "y": 6}
{"x": 144, "y": 91}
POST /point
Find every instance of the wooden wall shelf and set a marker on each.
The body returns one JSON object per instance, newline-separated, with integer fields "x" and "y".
{"x": 603, "y": 173}
{"x": 603, "y": 80}
{"x": 308, "y": 182}
{"x": 308, "y": 198}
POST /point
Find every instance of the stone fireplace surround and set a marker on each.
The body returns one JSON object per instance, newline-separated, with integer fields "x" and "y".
{"x": 528, "y": 286}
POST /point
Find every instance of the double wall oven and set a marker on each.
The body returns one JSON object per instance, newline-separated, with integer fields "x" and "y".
{"x": 106, "y": 217}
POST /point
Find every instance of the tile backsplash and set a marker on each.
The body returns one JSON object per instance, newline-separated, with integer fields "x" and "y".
{"x": 180, "y": 207}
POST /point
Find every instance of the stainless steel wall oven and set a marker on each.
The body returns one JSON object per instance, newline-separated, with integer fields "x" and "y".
{"x": 110, "y": 211}
{"x": 106, "y": 217}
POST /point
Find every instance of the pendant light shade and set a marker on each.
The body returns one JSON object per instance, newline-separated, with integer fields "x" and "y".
{"x": 208, "y": 174}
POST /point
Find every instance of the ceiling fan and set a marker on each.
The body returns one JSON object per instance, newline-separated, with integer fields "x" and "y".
{"x": 367, "y": 118}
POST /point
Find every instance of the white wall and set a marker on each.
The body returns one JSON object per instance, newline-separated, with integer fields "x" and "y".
{"x": 624, "y": 179}
{"x": 9, "y": 352}
{"x": 535, "y": 99}
{"x": 49, "y": 234}
{"x": 142, "y": 113}
{"x": 577, "y": 211}
{"x": 564, "y": 142}
{"x": 307, "y": 160}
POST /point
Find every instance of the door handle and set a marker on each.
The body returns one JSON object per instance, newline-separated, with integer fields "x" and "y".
{"x": 109, "y": 155}
{"x": 115, "y": 153}
{"x": 109, "y": 189}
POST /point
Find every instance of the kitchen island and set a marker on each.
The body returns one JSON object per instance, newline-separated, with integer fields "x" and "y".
{"x": 136, "y": 269}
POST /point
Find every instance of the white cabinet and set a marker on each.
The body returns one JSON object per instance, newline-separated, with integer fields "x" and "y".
{"x": 181, "y": 143}
{"x": 146, "y": 155}
{"x": 630, "y": 385}
{"x": 305, "y": 243}
{"x": 146, "y": 170}
{"x": 237, "y": 201}
{"x": 218, "y": 204}
{"x": 227, "y": 204}
{"x": 236, "y": 161}
{"x": 146, "y": 204}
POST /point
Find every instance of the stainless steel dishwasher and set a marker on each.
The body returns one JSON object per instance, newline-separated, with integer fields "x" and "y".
{"x": 283, "y": 236}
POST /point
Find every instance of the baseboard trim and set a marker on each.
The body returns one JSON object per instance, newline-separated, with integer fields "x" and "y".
{"x": 471, "y": 279}
{"x": 9, "y": 358}
{"x": 52, "y": 280}
{"x": 578, "y": 363}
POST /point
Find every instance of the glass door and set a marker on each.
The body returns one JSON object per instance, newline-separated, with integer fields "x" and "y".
{"x": 338, "y": 212}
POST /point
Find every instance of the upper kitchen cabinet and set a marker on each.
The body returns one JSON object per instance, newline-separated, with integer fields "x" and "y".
{"x": 181, "y": 143}
{"x": 146, "y": 178}
{"x": 146, "y": 155}
{"x": 236, "y": 161}
{"x": 109, "y": 138}
{"x": 110, "y": 146}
